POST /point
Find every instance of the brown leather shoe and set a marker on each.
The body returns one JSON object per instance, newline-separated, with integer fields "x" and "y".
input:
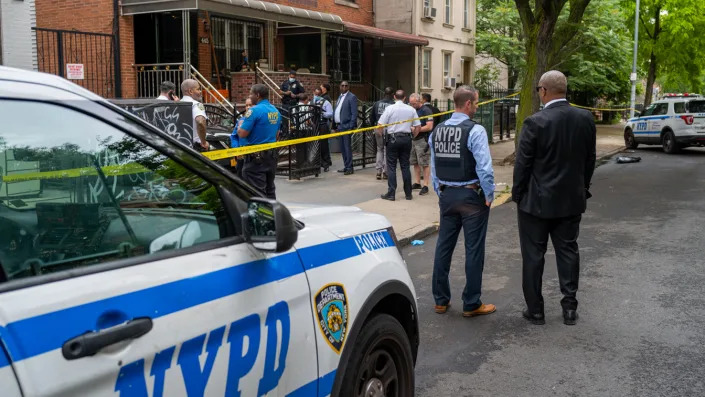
{"x": 483, "y": 309}
{"x": 440, "y": 309}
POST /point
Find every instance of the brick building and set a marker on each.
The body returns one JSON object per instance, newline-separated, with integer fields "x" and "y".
{"x": 128, "y": 47}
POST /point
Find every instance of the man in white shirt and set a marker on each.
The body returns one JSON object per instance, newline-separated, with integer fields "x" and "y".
{"x": 192, "y": 93}
{"x": 399, "y": 142}
{"x": 166, "y": 92}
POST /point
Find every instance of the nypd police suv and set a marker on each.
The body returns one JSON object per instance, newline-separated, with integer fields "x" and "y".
{"x": 675, "y": 122}
{"x": 132, "y": 266}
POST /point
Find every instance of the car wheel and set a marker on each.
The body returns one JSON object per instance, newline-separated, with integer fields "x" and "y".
{"x": 629, "y": 140}
{"x": 381, "y": 363}
{"x": 669, "y": 143}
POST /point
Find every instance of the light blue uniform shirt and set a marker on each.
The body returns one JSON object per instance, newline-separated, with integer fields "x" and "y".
{"x": 479, "y": 146}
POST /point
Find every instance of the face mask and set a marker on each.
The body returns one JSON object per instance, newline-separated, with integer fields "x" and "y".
{"x": 316, "y": 98}
{"x": 291, "y": 80}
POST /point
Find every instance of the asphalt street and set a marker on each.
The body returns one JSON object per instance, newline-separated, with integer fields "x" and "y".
{"x": 641, "y": 297}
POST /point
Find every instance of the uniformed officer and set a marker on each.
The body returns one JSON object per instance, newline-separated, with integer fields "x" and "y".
{"x": 260, "y": 125}
{"x": 192, "y": 93}
{"x": 462, "y": 175}
{"x": 398, "y": 142}
{"x": 290, "y": 91}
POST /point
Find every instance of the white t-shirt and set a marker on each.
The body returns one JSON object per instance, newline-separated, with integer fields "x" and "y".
{"x": 197, "y": 109}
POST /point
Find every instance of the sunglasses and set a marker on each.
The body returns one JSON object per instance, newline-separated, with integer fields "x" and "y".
{"x": 343, "y": 85}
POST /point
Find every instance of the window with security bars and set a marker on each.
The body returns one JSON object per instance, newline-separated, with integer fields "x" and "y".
{"x": 231, "y": 38}
{"x": 344, "y": 58}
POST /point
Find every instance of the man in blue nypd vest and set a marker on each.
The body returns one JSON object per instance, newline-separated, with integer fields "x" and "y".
{"x": 261, "y": 125}
{"x": 463, "y": 178}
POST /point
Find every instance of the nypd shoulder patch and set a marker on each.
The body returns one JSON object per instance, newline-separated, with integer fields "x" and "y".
{"x": 332, "y": 313}
{"x": 248, "y": 113}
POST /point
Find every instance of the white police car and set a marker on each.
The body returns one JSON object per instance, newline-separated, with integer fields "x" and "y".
{"x": 206, "y": 289}
{"x": 675, "y": 122}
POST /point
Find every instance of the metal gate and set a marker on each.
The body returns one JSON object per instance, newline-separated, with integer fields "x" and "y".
{"x": 94, "y": 51}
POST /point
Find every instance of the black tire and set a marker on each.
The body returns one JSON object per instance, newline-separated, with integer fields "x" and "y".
{"x": 629, "y": 140}
{"x": 668, "y": 141}
{"x": 381, "y": 360}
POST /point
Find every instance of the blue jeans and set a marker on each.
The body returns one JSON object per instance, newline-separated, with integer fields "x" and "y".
{"x": 461, "y": 208}
{"x": 346, "y": 143}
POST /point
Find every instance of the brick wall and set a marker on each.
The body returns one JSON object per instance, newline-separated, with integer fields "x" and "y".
{"x": 243, "y": 81}
{"x": 359, "y": 11}
{"x": 95, "y": 16}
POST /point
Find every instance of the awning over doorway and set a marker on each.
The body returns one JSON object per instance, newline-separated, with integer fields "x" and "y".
{"x": 369, "y": 31}
{"x": 241, "y": 8}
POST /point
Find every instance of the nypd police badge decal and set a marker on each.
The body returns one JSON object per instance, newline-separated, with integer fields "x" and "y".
{"x": 332, "y": 312}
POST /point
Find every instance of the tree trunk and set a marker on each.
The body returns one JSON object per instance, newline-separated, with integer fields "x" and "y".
{"x": 650, "y": 80}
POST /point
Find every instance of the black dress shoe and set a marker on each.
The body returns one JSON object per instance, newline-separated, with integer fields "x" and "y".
{"x": 342, "y": 170}
{"x": 326, "y": 169}
{"x": 570, "y": 317}
{"x": 389, "y": 196}
{"x": 409, "y": 197}
{"x": 349, "y": 172}
{"x": 534, "y": 318}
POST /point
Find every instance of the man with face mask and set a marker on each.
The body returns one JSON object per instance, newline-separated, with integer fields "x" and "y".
{"x": 554, "y": 164}
{"x": 324, "y": 126}
{"x": 260, "y": 125}
{"x": 191, "y": 91}
{"x": 463, "y": 178}
{"x": 290, "y": 91}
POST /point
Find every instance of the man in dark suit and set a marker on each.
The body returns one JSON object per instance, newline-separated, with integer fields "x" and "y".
{"x": 555, "y": 161}
{"x": 345, "y": 116}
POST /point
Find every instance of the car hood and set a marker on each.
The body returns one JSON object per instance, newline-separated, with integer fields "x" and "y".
{"x": 342, "y": 221}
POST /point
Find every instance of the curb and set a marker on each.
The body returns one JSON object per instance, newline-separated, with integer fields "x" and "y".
{"x": 425, "y": 232}
{"x": 611, "y": 153}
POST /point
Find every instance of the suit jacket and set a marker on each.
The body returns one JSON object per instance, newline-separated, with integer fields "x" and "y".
{"x": 348, "y": 113}
{"x": 555, "y": 161}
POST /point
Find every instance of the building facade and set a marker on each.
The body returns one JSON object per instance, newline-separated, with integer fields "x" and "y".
{"x": 449, "y": 26}
{"x": 17, "y": 47}
{"x": 125, "y": 48}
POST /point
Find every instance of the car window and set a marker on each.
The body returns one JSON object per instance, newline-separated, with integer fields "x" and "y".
{"x": 679, "y": 107}
{"x": 661, "y": 108}
{"x": 649, "y": 111}
{"x": 696, "y": 107}
{"x": 75, "y": 191}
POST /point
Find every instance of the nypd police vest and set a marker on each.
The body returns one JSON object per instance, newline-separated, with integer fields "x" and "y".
{"x": 453, "y": 161}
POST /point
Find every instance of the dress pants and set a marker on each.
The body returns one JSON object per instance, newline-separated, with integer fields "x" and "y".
{"x": 533, "y": 236}
{"x": 461, "y": 208}
{"x": 381, "y": 163}
{"x": 346, "y": 148}
{"x": 399, "y": 148}
{"x": 325, "y": 149}
{"x": 260, "y": 173}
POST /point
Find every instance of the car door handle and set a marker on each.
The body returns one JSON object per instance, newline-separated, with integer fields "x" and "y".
{"x": 91, "y": 342}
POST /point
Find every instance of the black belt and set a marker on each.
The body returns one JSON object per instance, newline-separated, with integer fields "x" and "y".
{"x": 473, "y": 186}
{"x": 399, "y": 133}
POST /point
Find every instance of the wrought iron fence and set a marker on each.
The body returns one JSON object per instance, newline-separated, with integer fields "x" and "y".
{"x": 94, "y": 52}
{"x": 151, "y": 76}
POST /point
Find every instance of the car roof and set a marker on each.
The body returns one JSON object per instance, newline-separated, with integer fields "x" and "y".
{"x": 45, "y": 79}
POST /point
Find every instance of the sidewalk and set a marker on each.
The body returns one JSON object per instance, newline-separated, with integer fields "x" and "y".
{"x": 418, "y": 218}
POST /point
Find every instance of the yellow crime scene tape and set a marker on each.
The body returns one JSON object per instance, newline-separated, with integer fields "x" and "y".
{"x": 134, "y": 168}
{"x": 241, "y": 151}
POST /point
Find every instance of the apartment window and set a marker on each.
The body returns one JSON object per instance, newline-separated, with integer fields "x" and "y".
{"x": 447, "y": 62}
{"x": 426, "y": 69}
{"x": 230, "y": 38}
{"x": 448, "y": 17}
{"x": 344, "y": 58}
{"x": 466, "y": 14}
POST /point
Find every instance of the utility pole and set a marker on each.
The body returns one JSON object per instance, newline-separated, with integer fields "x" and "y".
{"x": 636, "y": 47}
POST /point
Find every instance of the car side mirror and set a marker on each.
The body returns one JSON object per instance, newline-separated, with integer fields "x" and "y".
{"x": 637, "y": 114}
{"x": 268, "y": 225}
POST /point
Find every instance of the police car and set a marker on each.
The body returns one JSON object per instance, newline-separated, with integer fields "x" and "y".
{"x": 196, "y": 286}
{"x": 675, "y": 122}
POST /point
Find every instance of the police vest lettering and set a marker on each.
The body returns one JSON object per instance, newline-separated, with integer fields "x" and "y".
{"x": 244, "y": 337}
{"x": 452, "y": 159}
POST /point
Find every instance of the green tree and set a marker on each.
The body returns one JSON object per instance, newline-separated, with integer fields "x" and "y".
{"x": 499, "y": 34}
{"x": 671, "y": 43}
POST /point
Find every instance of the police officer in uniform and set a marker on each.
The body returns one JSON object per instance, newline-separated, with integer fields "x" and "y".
{"x": 260, "y": 125}
{"x": 463, "y": 178}
{"x": 291, "y": 89}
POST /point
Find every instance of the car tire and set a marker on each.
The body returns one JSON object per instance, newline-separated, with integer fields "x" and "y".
{"x": 381, "y": 362}
{"x": 668, "y": 141}
{"x": 630, "y": 140}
